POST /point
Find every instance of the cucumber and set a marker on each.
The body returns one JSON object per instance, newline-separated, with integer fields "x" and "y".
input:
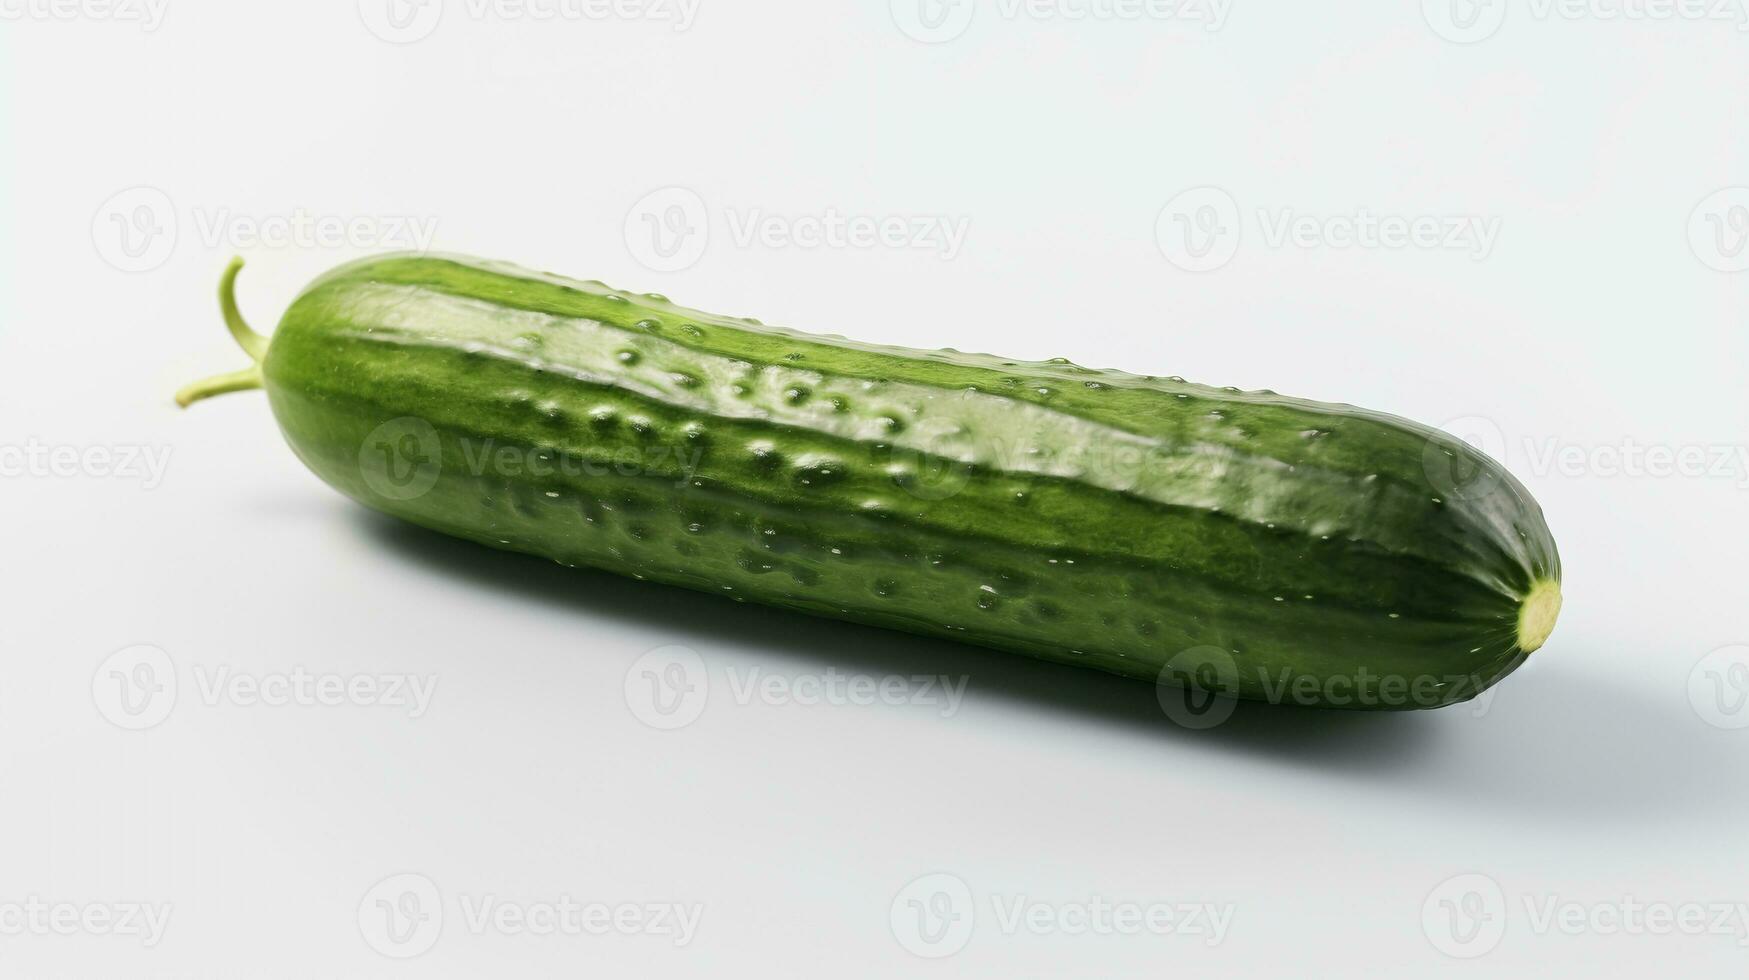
{"x": 1241, "y": 543}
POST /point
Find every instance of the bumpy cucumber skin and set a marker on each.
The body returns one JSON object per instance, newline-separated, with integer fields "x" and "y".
{"x": 1086, "y": 517}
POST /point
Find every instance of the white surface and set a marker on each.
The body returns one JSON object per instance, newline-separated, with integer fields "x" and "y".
{"x": 1590, "y": 325}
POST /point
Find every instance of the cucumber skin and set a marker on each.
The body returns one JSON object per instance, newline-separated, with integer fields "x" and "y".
{"x": 995, "y": 502}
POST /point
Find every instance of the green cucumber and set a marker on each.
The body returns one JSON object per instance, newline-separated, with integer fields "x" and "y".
{"x": 1244, "y": 543}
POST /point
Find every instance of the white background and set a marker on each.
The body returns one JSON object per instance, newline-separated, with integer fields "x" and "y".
{"x": 1603, "y": 318}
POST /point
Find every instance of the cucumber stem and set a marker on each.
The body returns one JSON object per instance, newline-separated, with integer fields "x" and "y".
{"x": 253, "y": 344}
{"x": 247, "y": 378}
